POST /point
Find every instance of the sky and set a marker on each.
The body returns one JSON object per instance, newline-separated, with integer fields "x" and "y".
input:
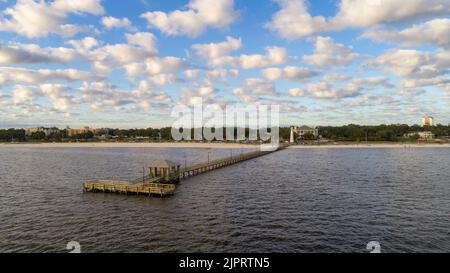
{"x": 111, "y": 63}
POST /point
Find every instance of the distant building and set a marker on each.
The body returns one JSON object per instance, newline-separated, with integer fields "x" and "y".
{"x": 46, "y": 131}
{"x": 73, "y": 132}
{"x": 422, "y": 135}
{"x": 302, "y": 131}
{"x": 427, "y": 121}
{"x": 30, "y": 131}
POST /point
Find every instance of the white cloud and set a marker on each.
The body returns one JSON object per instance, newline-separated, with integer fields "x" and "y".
{"x": 201, "y": 94}
{"x": 25, "y": 94}
{"x": 58, "y": 95}
{"x": 154, "y": 66}
{"x": 192, "y": 73}
{"x": 145, "y": 97}
{"x": 102, "y": 95}
{"x": 164, "y": 79}
{"x": 85, "y": 44}
{"x": 440, "y": 82}
{"x": 106, "y": 58}
{"x": 256, "y": 87}
{"x": 112, "y": 22}
{"x": 413, "y": 63}
{"x": 325, "y": 90}
{"x": 207, "y": 90}
{"x": 294, "y": 21}
{"x": 274, "y": 56}
{"x": 434, "y": 32}
{"x": 327, "y": 53}
{"x": 335, "y": 77}
{"x": 199, "y": 15}
{"x": 221, "y": 75}
{"x": 23, "y": 75}
{"x": 34, "y": 54}
{"x": 38, "y": 19}
{"x": 291, "y": 73}
{"x": 144, "y": 40}
{"x": 296, "y": 92}
{"x": 366, "y": 13}
{"x": 217, "y": 54}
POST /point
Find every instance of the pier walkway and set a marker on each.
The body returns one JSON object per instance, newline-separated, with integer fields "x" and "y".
{"x": 164, "y": 177}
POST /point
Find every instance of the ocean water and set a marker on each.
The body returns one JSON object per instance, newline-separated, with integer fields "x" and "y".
{"x": 296, "y": 200}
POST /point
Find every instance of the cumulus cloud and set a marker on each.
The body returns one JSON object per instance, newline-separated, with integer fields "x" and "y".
{"x": 221, "y": 75}
{"x": 254, "y": 88}
{"x": 145, "y": 98}
{"x": 144, "y": 40}
{"x": 336, "y": 77}
{"x": 155, "y": 66}
{"x": 102, "y": 95}
{"x": 199, "y": 15}
{"x": 290, "y": 73}
{"x": 328, "y": 53}
{"x": 274, "y": 56}
{"x": 110, "y": 22}
{"x": 34, "y": 19}
{"x": 440, "y": 82}
{"x": 296, "y": 92}
{"x": 218, "y": 54}
{"x": 23, "y": 75}
{"x": 434, "y": 32}
{"x": 34, "y": 54}
{"x": 85, "y": 44}
{"x": 366, "y": 13}
{"x": 294, "y": 21}
{"x": 413, "y": 63}
{"x": 325, "y": 90}
{"x": 105, "y": 58}
{"x": 192, "y": 73}
{"x": 59, "y": 95}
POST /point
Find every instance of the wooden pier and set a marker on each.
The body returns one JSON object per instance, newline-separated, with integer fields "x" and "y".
{"x": 164, "y": 175}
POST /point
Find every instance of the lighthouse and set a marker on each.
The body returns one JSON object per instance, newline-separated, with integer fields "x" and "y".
{"x": 292, "y": 135}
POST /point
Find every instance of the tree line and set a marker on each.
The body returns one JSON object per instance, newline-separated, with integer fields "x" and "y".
{"x": 350, "y": 132}
{"x": 394, "y": 132}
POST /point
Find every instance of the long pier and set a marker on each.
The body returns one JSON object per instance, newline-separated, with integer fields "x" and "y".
{"x": 162, "y": 179}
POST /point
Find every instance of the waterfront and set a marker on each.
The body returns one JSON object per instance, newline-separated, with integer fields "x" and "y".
{"x": 297, "y": 200}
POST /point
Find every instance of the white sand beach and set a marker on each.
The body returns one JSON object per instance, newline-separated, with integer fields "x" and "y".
{"x": 370, "y": 146}
{"x": 129, "y": 145}
{"x": 210, "y": 145}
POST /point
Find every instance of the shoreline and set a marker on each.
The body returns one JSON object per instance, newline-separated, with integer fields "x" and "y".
{"x": 214, "y": 145}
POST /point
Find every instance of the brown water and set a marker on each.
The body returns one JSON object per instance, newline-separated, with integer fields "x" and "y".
{"x": 312, "y": 200}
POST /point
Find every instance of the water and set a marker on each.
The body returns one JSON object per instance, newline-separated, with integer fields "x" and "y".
{"x": 296, "y": 200}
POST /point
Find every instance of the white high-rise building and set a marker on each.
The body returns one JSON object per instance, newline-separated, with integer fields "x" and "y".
{"x": 427, "y": 121}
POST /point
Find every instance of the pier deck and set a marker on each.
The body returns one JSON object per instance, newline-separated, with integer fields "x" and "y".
{"x": 157, "y": 186}
{"x": 123, "y": 187}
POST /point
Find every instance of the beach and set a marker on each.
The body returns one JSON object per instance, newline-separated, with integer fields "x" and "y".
{"x": 212, "y": 145}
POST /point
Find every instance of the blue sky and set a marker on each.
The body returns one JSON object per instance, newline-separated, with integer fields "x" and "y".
{"x": 109, "y": 64}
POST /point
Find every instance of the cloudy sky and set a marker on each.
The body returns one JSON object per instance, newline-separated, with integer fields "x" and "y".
{"x": 326, "y": 62}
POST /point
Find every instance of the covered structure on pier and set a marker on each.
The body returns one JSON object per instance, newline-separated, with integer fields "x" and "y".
{"x": 166, "y": 169}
